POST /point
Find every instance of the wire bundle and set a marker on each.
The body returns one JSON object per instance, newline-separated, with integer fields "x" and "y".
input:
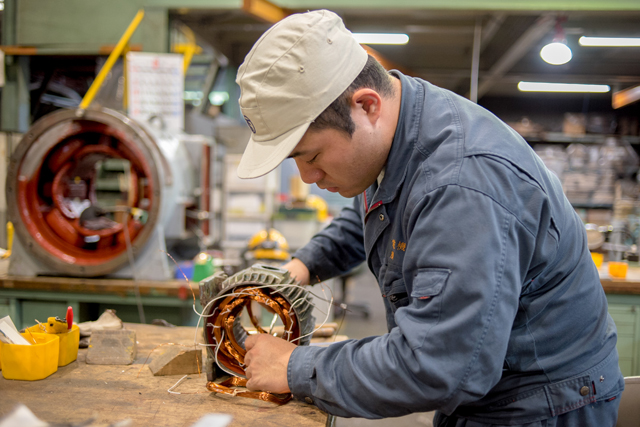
{"x": 224, "y": 335}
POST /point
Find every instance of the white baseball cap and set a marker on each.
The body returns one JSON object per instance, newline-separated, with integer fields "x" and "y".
{"x": 291, "y": 75}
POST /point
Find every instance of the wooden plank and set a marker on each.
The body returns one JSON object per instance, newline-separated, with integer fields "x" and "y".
{"x": 19, "y": 50}
{"x": 177, "y": 360}
{"x": 78, "y": 49}
{"x": 620, "y": 286}
{"x": 122, "y": 287}
{"x": 115, "y": 393}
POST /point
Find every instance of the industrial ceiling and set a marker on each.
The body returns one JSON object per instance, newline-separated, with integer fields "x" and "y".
{"x": 63, "y": 39}
{"x": 441, "y": 43}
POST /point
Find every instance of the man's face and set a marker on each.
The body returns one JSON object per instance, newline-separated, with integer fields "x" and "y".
{"x": 333, "y": 161}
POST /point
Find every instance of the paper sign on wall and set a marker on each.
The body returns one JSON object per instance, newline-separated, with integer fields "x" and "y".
{"x": 155, "y": 87}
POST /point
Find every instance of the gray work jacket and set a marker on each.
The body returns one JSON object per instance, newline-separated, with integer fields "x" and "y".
{"x": 494, "y": 307}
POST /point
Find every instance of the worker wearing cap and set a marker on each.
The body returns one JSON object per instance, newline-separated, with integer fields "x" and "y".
{"x": 495, "y": 311}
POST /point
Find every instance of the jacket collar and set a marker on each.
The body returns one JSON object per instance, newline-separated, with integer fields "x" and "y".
{"x": 404, "y": 141}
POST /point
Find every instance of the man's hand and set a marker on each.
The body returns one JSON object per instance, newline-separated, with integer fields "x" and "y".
{"x": 266, "y": 363}
{"x": 298, "y": 270}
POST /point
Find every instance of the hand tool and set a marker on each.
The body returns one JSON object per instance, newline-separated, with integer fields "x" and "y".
{"x": 69, "y": 317}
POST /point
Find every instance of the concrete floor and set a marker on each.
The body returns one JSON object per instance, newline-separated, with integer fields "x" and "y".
{"x": 364, "y": 289}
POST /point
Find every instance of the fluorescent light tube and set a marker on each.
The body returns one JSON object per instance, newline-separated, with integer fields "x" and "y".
{"x": 381, "y": 38}
{"x": 610, "y": 41}
{"x": 562, "y": 87}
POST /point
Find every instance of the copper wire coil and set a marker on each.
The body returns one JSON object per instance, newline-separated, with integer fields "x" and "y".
{"x": 223, "y": 326}
{"x": 225, "y": 387}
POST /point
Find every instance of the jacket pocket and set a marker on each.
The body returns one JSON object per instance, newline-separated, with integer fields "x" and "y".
{"x": 424, "y": 305}
{"x": 429, "y": 282}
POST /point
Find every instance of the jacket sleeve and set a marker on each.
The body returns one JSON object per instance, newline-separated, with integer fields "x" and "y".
{"x": 336, "y": 249}
{"x": 462, "y": 271}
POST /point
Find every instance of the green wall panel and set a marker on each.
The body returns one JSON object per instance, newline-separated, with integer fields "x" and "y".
{"x": 25, "y": 306}
{"x": 624, "y": 310}
{"x": 83, "y": 26}
{"x": 41, "y": 310}
{"x": 74, "y": 21}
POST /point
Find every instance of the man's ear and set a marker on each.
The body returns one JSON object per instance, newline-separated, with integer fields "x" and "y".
{"x": 367, "y": 102}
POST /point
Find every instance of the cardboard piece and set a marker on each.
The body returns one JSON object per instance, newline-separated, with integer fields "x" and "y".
{"x": 8, "y": 329}
{"x": 112, "y": 347}
{"x": 177, "y": 360}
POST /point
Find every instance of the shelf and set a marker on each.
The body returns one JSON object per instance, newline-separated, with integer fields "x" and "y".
{"x": 592, "y": 205}
{"x": 251, "y": 190}
{"x": 234, "y": 244}
{"x": 247, "y": 206}
{"x": 247, "y": 217}
{"x": 562, "y": 138}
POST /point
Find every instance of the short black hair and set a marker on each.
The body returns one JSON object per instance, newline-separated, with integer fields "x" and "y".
{"x": 338, "y": 114}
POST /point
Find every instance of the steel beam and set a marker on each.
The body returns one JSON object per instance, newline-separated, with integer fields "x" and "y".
{"x": 265, "y": 10}
{"x": 270, "y": 12}
{"x": 475, "y": 61}
{"x": 486, "y": 5}
{"x": 625, "y": 97}
{"x": 521, "y": 47}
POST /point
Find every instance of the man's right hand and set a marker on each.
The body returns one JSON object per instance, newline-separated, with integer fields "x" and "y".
{"x": 298, "y": 270}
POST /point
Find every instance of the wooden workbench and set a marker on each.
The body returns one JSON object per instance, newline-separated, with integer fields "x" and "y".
{"x": 630, "y": 285}
{"x": 113, "y": 393}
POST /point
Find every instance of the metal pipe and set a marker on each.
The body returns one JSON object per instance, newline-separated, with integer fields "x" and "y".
{"x": 205, "y": 197}
{"x": 111, "y": 60}
{"x": 475, "y": 60}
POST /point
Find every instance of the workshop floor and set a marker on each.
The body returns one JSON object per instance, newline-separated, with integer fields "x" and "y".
{"x": 363, "y": 289}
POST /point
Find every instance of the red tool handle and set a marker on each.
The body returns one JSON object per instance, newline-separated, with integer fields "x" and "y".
{"x": 69, "y": 317}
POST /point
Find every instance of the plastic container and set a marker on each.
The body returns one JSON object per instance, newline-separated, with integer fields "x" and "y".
{"x": 203, "y": 266}
{"x": 30, "y": 362}
{"x": 69, "y": 342}
{"x": 597, "y": 259}
{"x": 618, "y": 269}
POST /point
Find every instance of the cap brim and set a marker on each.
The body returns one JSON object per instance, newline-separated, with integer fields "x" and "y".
{"x": 261, "y": 157}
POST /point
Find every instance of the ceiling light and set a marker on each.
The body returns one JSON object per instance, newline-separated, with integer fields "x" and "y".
{"x": 610, "y": 41}
{"x": 562, "y": 87}
{"x": 381, "y": 38}
{"x": 557, "y": 52}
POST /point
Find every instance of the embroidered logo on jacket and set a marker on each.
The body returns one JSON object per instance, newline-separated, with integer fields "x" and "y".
{"x": 401, "y": 246}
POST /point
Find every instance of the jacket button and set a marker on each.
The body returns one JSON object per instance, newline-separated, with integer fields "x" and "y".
{"x": 584, "y": 390}
{"x": 381, "y": 217}
{"x": 308, "y": 400}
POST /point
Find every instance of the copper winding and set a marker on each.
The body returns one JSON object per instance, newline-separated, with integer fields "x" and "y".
{"x": 229, "y": 352}
{"x": 224, "y": 387}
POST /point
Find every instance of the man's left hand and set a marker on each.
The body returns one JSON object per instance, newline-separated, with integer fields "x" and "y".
{"x": 266, "y": 363}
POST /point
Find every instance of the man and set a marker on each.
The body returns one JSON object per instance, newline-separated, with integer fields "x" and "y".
{"x": 495, "y": 310}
